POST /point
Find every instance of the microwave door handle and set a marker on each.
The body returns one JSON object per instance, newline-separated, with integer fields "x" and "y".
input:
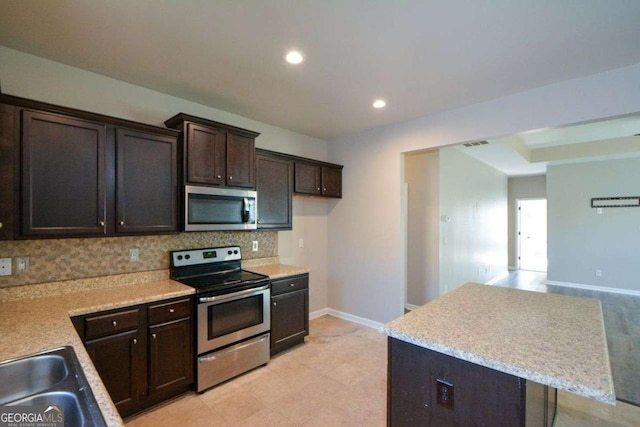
{"x": 245, "y": 210}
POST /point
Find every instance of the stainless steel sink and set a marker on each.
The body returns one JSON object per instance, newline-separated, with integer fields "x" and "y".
{"x": 51, "y": 378}
{"x": 24, "y": 377}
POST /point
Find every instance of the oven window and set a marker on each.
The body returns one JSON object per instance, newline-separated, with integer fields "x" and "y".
{"x": 206, "y": 209}
{"x": 234, "y": 316}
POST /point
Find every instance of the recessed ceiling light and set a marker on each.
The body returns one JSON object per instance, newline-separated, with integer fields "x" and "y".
{"x": 294, "y": 57}
{"x": 379, "y": 103}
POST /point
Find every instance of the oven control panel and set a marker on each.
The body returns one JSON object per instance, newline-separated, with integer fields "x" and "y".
{"x": 205, "y": 256}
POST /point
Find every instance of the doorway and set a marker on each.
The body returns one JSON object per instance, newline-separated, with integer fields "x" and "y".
{"x": 532, "y": 235}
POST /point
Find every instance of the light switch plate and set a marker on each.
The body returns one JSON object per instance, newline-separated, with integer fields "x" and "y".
{"x": 5, "y": 266}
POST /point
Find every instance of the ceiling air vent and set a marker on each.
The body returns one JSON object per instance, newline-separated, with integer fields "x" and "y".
{"x": 473, "y": 144}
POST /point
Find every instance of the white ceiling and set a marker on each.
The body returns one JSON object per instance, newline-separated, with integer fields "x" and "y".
{"x": 529, "y": 153}
{"x": 422, "y": 56}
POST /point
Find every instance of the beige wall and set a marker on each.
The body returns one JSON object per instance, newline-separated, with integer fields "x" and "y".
{"x": 43, "y": 80}
{"x": 579, "y": 239}
{"x": 473, "y": 244}
{"x": 526, "y": 187}
{"x": 366, "y": 272}
{"x": 423, "y": 235}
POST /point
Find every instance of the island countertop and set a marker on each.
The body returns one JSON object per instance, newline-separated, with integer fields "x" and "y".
{"x": 550, "y": 339}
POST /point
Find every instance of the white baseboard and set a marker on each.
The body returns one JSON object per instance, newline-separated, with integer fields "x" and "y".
{"x": 352, "y": 318}
{"x": 497, "y": 278}
{"x": 594, "y": 288}
{"x": 411, "y": 306}
{"x": 318, "y": 313}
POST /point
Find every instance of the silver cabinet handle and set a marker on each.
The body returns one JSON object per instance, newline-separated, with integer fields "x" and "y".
{"x": 275, "y": 303}
{"x": 135, "y": 341}
{"x": 171, "y": 310}
{"x": 219, "y": 177}
{"x": 101, "y": 223}
{"x": 318, "y": 189}
{"x": 292, "y": 284}
{"x": 0, "y": 225}
{"x": 324, "y": 189}
{"x": 153, "y": 336}
{"x": 230, "y": 178}
{"x": 121, "y": 222}
{"x": 114, "y": 323}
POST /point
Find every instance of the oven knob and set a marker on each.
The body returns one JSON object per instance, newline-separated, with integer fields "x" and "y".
{"x": 235, "y": 252}
{"x": 187, "y": 256}
{"x": 229, "y": 252}
{"x": 179, "y": 257}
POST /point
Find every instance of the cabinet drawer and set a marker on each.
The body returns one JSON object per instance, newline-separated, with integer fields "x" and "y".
{"x": 161, "y": 313}
{"x": 108, "y": 324}
{"x": 289, "y": 284}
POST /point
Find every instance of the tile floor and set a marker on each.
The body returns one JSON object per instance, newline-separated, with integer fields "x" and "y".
{"x": 337, "y": 378}
{"x": 622, "y": 325}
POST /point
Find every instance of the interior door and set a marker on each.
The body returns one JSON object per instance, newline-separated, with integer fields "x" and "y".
{"x": 532, "y": 235}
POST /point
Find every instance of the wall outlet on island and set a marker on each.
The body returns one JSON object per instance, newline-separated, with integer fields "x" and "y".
{"x": 254, "y": 246}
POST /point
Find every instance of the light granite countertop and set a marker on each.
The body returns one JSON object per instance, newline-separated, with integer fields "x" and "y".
{"x": 31, "y": 325}
{"x": 275, "y": 270}
{"x": 554, "y": 340}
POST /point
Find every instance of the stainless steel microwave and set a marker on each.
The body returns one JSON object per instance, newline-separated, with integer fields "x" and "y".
{"x": 216, "y": 209}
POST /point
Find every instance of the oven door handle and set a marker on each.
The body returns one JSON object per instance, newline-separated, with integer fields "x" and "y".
{"x": 234, "y": 295}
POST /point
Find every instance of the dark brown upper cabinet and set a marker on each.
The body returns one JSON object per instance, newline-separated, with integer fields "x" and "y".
{"x": 318, "y": 178}
{"x": 63, "y": 175}
{"x": 274, "y": 183}
{"x": 8, "y": 156}
{"x": 216, "y": 153}
{"x": 146, "y": 182}
{"x": 77, "y": 173}
{"x": 308, "y": 178}
{"x": 331, "y": 181}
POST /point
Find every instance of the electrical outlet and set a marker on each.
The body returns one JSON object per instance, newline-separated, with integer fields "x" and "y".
{"x": 134, "y": 255}
{"x": 254, "y": 246}
{"x": 444, "y": 394}
{"x": 5, "y": 266}
{"x": 22, "y": 264}
{"x": 598, "y": 273}
{"x": 301, "y": 243}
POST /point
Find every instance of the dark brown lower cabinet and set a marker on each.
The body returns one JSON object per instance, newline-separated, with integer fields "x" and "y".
{"x": 289, "y": 312}
{"x": 170, "y": 360}
{"x": 427, "y": 388}
{"x": 117, "y": 360}
{"x": 143, "y": 354}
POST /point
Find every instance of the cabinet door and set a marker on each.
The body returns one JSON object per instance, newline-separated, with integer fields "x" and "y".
{"x": 331, "y": 182}
{"x": 117, "y": 360}
{"x": 63, "y": 175}
{"x": 289, "y": 319}
{"x": 206, "y": 155}
{"x": 274, "y": 182}
{"x": 170, "y": 356}
{"x": 146, "y": 184}
{"x": 7, "y": 169}
{"x": 240, "y": 161}
{"x": 307, "y": 178}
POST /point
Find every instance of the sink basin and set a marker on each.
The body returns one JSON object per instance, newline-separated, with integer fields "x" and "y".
{"x": 24, "y": 377}
{"x": 52, "y": 378}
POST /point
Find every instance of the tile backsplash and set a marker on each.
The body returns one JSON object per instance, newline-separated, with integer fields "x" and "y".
{"x": 64, "y": 259}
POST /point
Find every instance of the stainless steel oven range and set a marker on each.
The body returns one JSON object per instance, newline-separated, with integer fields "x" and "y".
{"x": 233, "y": 312}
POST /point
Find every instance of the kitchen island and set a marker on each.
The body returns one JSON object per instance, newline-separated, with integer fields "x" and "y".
{"x": 494, "y": 356}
